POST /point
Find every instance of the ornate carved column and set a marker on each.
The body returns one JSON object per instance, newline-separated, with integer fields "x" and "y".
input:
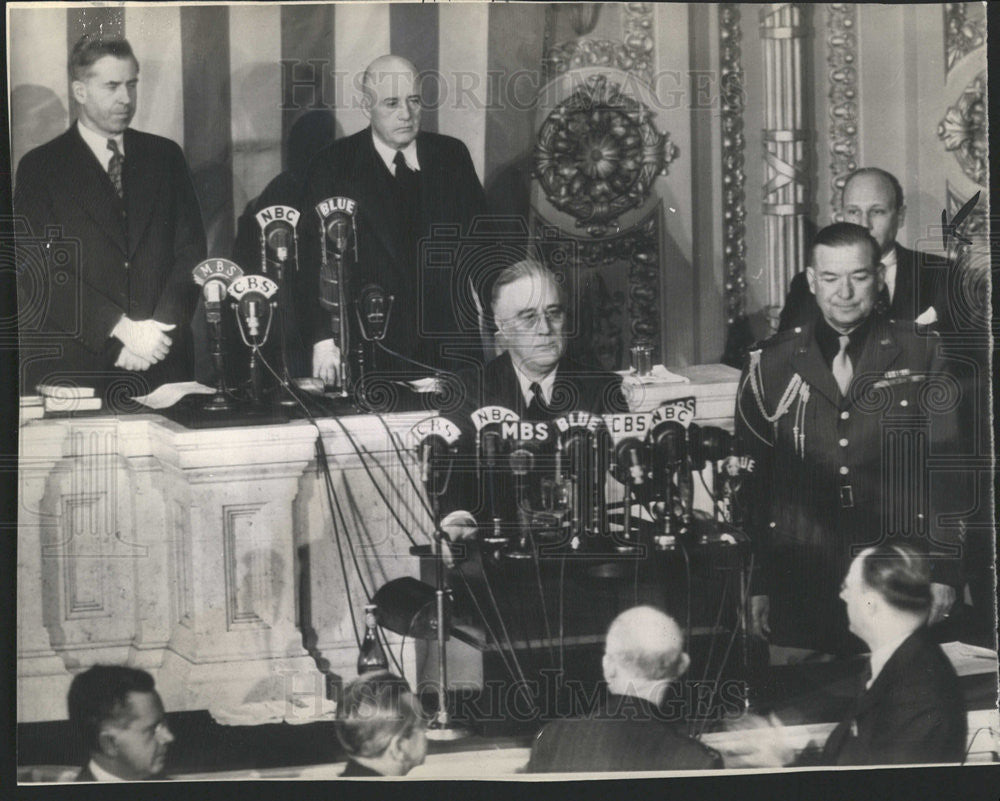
{"x": 842, "y": 56}
{"x": 785, "y": 153}
{"x": 733, "y": 178}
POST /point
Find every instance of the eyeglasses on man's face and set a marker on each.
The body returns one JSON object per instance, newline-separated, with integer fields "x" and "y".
{"x": 525, "y": 319}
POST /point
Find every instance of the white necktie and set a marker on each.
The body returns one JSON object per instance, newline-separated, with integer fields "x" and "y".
{"x": 842, "y": 367}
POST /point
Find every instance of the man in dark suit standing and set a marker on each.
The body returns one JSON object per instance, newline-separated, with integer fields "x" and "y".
{"x": 126, "y": 201}
{"x": 824, "y": 410}
{"x": 405, "y": 181}
{"x": 914, "y": 281}
{"x": 643, "y": 655}
{"x": 120, "y": 717}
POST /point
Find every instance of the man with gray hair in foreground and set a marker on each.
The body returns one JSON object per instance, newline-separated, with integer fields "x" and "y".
{"x": 643, "y": 655}
{"x": 381, "y": 727}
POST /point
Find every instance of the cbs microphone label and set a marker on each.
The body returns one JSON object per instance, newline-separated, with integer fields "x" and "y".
{"x": 252, "y": 283}
{"x": 441, "y": 426}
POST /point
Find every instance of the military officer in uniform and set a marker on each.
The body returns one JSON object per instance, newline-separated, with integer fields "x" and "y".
{"x": 840, "y": 415}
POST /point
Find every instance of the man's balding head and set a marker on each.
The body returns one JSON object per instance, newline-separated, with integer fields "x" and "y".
{"x": 644, "y": 647}
{"x": 391, "y": 100}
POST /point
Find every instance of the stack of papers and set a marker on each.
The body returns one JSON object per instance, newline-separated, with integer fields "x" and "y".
{"x": 68, "y": 398}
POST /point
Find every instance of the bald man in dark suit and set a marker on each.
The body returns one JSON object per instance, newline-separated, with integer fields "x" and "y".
{"x": 405, "y": 181}
{"x": 121, "y": 203}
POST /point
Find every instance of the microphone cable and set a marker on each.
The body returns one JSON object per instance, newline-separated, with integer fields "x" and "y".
{"x": 496, "y": 608}
{"x": 732, "y": 638}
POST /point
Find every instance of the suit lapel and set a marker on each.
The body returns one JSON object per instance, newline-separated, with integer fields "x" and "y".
{"x": 142, "y": 177}
{"x": 902, "y": 306}
{"x": 375, "y": 183}
{"x": 808, "y": 363}
{"x": 88, "y": 184}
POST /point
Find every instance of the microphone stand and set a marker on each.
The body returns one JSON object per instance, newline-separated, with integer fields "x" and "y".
{"x": 441, "y": 727}
{"x": 219, "y": 402}
{"x": 284, "y": 376}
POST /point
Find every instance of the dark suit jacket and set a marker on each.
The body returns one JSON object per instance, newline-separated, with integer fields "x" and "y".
{"x": 431, "y": 306}
{"x": 89, "y": 257}
{"x": 913, "y": 713}
{"x": 626, "y": 734}
{"x": 576, "y": 388}
{"x": 798, "y": 516}
{"x": 85, "y": 775}
{"x": 920, "y": 281}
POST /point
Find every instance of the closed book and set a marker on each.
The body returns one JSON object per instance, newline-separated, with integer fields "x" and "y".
{"x": 72, "y": 404}
{"x": 64, "y": 391}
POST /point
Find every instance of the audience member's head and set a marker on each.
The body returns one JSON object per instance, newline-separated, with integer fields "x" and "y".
{"x": 845, "y": 275}
{"x": 391, "y": 100}
{"x": 529, "y": 309}
{"x": 643, "y": 653}
{"x": 873, "y": 198}
{"x": 887, "y": 591}
{"x": 120, "y": 715}
{"x": 381, "y": 724}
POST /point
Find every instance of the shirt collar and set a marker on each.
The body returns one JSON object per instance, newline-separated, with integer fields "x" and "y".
{"x": 101, "y": 774}
{"x": 880, "y": 656}
{"x": 98, "y": 143}
{"x": 829, "y": 340}
{"x": 525, "y": 383}
{"x": 387, "y": 154}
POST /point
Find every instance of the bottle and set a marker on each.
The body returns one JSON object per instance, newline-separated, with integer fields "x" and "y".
{"x": 371, "y": 657}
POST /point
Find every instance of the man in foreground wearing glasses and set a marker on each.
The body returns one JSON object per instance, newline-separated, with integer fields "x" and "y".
{"x": 120, "y": 716}
{"x": 533, "y": 377}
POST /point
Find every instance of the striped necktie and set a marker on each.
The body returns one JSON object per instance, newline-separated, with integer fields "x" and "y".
{"x": 115, "y": 167}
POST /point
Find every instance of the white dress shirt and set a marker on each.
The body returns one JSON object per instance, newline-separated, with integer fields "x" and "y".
{"x": 525, "y": 383}
{"x": 889, "y": 262}
{"x": 99, "y": 143}
{"x": 101, "y": 774}
{"x": 387, "y": 154}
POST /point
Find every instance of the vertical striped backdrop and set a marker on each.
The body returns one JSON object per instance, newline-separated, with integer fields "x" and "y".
{"x": 228, "y": 82}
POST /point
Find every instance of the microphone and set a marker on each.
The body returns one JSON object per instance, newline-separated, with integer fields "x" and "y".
{"x": 630, "y": 461}
{"x": 278, "y": 236}
{"x": 373, "y": 310}
{"x": 711, "y": 444}
{"x": 668, "y": 442}
{"x": 338, "y": 238}
{"x": 522, "y": 461}
{"x": 253, "y": 298}
{"x": 214, "y": 276}
{"x": 339, "y": 228}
